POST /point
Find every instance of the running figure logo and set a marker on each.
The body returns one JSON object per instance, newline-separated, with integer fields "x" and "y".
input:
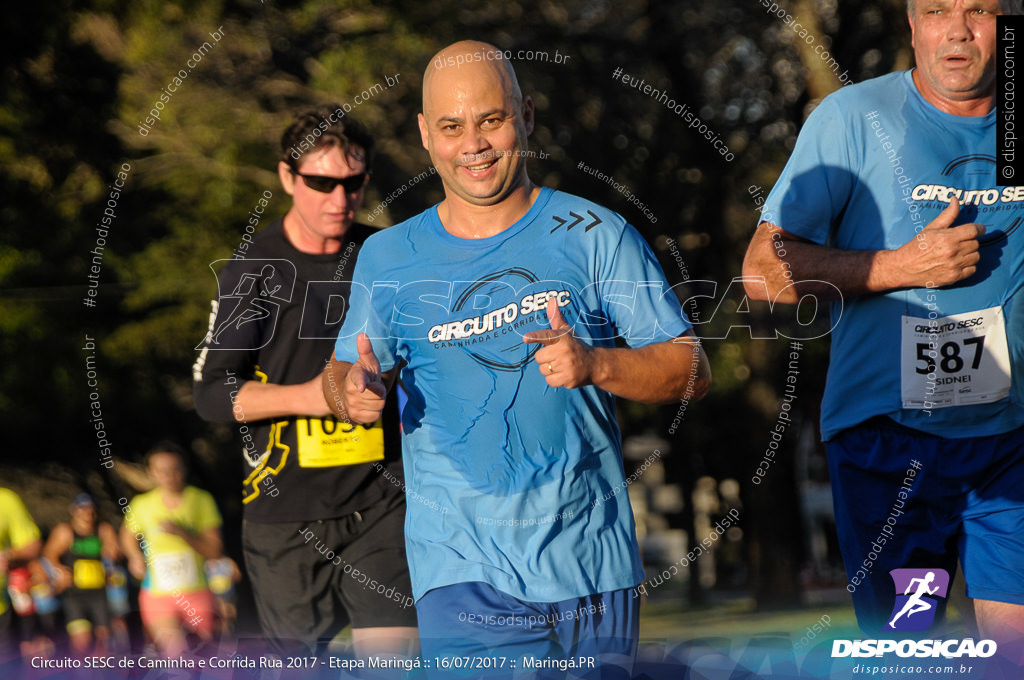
{"x": 255, "y": 295}
{"x": 918, "y": 593}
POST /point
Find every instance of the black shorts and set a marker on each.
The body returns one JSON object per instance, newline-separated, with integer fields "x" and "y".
{"x": 87, "y": 605}
{"x": 311, "y": 579}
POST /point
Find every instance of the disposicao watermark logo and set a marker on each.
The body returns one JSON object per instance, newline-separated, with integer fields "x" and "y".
{"x": 918, "y": 593}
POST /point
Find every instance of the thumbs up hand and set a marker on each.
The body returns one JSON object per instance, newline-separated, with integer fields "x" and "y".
{"x": 562, "y": 360}
{"x": 364, "y": 393}
{"x": 940, "y": 254}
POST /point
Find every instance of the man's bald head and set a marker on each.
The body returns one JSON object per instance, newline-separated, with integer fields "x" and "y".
{"x": 475, "y": 124}
{"x": 470, "y": 62}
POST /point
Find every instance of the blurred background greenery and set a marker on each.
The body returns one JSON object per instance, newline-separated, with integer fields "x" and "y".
{"x": 78, "y": 77}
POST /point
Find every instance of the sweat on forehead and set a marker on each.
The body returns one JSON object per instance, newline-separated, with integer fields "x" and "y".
{"x": 470, "y": 61}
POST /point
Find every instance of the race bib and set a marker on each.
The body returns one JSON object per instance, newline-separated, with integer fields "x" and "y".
{"x": 175, "y": 571}
{"x": 88, "y": 574}
{"x": 324, "y": 442}
{"x": 954, "y": 360}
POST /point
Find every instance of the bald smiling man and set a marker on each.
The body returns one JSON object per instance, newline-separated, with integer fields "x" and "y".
{"x": 500, "y": 311}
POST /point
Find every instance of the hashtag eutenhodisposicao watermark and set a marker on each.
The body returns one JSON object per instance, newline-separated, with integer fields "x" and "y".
{"x": 533, "y": 620}
{"x": 886, "y": 531}
{"x": 102, "y": 230}
{"x": 682, "y": 110}
{"x": 621, "y": 188}
{"x": 783, "y": 421}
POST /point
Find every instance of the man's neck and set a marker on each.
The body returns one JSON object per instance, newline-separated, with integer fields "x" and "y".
{"x": 975, "y": 107}
{"x": 467, "y": 220}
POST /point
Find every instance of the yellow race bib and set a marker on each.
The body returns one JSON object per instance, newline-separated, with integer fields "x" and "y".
{"x": 89, "y": 575}
{"x": 324, "y": 442}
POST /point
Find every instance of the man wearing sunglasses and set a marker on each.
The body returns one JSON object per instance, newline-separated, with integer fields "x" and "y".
{"x": 322, "y": 532}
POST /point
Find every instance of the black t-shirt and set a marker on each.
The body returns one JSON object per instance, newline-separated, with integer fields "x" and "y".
{"x": 275, "y": 320}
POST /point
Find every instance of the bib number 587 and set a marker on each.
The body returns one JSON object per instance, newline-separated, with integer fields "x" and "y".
{"x": 950, "y": 359}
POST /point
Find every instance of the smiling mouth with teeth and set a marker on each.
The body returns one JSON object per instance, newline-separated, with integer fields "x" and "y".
{"x": 481, "y": 166}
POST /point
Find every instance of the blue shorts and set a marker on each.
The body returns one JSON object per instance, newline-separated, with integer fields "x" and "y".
{"x": 471, "y": 627}
{"x": 906, "y": 499}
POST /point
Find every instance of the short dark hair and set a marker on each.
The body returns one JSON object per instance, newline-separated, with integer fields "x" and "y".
{"x": 314, "y": 128}
{"x": 167, "y": 446}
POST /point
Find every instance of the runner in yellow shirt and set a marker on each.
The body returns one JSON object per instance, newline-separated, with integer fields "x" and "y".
{"x": 168, "y": 533}
{"x": 19, "y": 544}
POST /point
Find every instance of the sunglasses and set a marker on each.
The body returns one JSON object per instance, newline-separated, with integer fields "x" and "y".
{"x": 326, "y": 184}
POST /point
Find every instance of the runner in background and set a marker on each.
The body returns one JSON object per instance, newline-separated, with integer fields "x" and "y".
{"x": 19, "y": 545}
{"x": 47, "y": 607}
{"x": 120, "y": 606}
{"x": 36, "y": 613}
{"x": 180, "y": 525}
{"x": 271, "y": 332}
{"x": 222, "y": 574}
{"x": 77, "y": 550}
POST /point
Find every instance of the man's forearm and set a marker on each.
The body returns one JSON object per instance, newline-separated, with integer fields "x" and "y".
{"x": 792, "y": 268}
{"x": 259, "y": 401}
{"x": 655, "y": 374}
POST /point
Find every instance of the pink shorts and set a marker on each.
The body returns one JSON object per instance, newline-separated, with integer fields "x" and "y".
{"x": 195, "y": 609}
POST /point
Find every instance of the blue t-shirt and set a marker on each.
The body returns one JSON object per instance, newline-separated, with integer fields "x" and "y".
{"x": 874, "y": 165}
{"x": 506, "y": 476}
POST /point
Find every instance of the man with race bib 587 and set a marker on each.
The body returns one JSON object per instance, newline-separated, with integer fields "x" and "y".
{"x": 890, "y": 206}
